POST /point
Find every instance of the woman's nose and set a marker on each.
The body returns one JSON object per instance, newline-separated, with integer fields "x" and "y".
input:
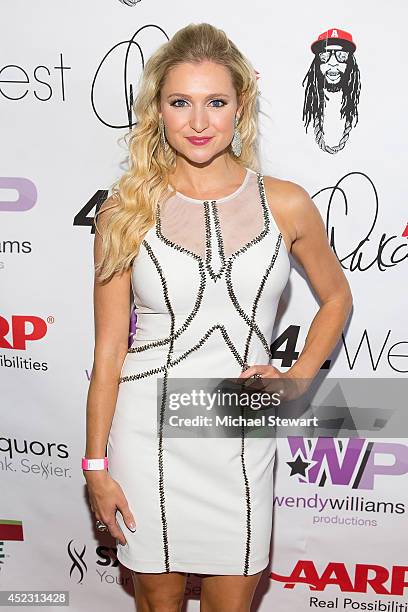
{"x": 199, "y": 120}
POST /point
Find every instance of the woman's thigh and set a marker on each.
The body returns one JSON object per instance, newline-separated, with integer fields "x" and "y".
{"x": 228, "y": 593}
{"x": 163, "y": 592}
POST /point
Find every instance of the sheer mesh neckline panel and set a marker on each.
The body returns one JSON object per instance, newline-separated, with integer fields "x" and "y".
{"x": 224, "y": 199}
{"x": 217, "y": 228}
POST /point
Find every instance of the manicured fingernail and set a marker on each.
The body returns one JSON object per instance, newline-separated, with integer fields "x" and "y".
{"x": 132, "y": 526}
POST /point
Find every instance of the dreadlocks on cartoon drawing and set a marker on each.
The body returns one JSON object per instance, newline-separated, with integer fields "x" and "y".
{"x": 332, "y": 88}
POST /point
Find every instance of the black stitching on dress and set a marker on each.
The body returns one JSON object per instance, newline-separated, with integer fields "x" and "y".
{"x": 226, "y": 264}
{"x": 251, "y": 321}
{"x": 190, "y": 317}
{"x": 247, "y": 500}
{"x": 214, "y": 276}
{"x": 252, "y": 324}
{"x": 162, "y": 409}
{"x": 170, "y": 364}
{"x": 258, "y": 295}
{"x": 236, "y": 253}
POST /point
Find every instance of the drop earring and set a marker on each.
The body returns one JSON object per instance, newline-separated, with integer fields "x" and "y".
{"x": 236, "y": 143}
{"x": 163, "y": 140}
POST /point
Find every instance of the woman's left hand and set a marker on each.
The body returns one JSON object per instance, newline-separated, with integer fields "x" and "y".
{"x": 266, "y": 371}
{"x": 292, "y": 390}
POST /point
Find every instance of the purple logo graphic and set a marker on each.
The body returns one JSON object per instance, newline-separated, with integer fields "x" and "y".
{"x": 354, "y": 462}
{"x": 132, "y": 326}
{"x": 26, "y": 194}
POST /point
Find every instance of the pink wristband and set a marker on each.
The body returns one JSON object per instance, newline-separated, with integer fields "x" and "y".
{"x": 94, "y": 464}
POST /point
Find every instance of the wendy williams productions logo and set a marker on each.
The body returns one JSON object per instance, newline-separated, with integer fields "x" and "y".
{"x": 353, "y": 464}
{"x": 332, "y": 89}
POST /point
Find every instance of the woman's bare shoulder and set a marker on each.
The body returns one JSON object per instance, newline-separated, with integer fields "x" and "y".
{"x": 290, "y": 203}
{"x": 286, "y": 191}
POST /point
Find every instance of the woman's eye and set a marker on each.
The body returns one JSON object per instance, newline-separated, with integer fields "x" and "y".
{"x": 175, "y": 103}
{"x": 222, "y": 103}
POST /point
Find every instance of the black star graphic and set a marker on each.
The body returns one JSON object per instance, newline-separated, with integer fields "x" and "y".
{"x": 298, "y": 466}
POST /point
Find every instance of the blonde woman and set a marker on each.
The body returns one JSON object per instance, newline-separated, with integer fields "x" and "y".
{"x": 203, "y": 239}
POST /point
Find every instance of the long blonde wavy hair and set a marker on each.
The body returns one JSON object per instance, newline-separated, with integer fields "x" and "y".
{"x": 145, "y": 183}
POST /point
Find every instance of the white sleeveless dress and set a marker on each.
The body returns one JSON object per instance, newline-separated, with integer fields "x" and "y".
{"x": 206, "y": 285}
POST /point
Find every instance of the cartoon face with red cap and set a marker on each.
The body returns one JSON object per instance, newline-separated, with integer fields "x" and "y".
{"x": 333, "y": 63}
{"x": 333, "y": 49}
{"x": 334, "y": 69}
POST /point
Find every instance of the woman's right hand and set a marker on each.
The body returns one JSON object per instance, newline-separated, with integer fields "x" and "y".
{"x": 106, "y": 497}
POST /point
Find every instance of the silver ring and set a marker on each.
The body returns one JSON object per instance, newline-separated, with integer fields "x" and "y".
{"x": 245, "y": 366}
{"x": 101, "y": 526}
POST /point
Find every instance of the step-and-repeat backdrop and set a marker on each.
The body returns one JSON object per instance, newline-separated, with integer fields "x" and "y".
{"x": 336, "y": 124}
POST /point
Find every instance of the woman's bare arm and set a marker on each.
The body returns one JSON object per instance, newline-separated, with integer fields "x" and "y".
{"x": 300, "y": 220}
{"x": 111, "y": 315}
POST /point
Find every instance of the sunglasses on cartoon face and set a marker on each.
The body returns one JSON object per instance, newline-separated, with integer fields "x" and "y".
{"x": 341, "y": 55}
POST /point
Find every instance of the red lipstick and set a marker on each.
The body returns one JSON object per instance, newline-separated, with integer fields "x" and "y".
{"x": 199, "y": 140}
